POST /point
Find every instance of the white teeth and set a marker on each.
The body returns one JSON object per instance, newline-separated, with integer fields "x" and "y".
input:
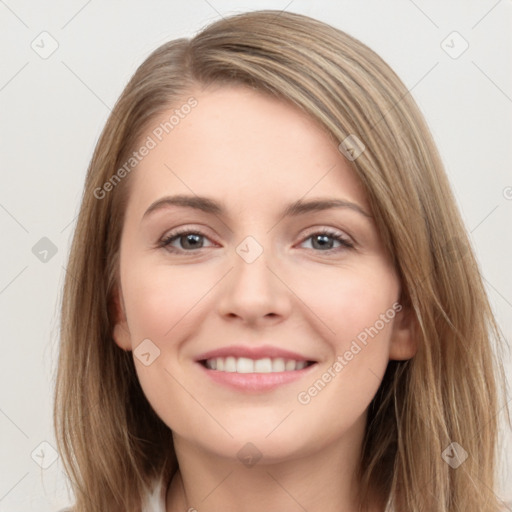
{"x": 247, "y": 365}
{"x": 263, "y": 365}
{"x": 278, "y": 365}
{"x": 290, "y": 366}
{"x": 230, "y": 364}
{"x": 244, "y": 365}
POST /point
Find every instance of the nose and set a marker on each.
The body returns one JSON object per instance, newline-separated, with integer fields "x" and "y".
{"x": 255, "y": 292}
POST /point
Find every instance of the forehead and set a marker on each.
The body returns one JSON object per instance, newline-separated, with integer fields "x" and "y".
{"x": 243, "y": 147}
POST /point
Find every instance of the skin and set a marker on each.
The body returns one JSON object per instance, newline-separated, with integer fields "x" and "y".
{"x": 256, "y": 154}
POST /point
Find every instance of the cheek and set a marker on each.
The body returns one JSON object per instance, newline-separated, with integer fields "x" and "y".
{"x": 350, "y": 301}
{"x": 358, "y": 307}
{"x": 160, "y": 300}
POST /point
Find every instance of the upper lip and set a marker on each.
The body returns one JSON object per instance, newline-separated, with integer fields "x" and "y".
{"x": 260, "y": 352}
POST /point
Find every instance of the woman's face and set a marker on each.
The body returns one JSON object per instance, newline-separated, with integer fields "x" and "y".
{"x": 269, "y": 323}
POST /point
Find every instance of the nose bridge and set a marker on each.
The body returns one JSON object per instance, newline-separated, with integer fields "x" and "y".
{"x": 252, "y": 290}
{"x": 251, "y": 275}
{"x": 251, "y": 264}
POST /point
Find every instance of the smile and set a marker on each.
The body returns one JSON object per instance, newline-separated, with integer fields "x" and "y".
{"x": 254, "y": 368}
{"x": 232, "y": 364}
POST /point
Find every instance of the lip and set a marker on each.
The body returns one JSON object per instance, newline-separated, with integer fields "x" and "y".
{"x": 254, "y": 382}
{"x": 261, "y": 352}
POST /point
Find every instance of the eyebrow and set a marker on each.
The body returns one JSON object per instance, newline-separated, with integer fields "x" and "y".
{"x": 211, "y": 206}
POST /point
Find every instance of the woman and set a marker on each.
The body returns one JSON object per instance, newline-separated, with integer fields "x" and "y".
{"x": 271, "y": 301}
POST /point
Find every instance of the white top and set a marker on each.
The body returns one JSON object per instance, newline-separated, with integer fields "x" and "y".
{"x": 155, "y": 500}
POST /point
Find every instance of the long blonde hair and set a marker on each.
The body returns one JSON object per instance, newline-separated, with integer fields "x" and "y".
{"x": 114, "y": 445}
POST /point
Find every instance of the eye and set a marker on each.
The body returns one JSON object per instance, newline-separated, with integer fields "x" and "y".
{"x": 191, "y": 240}
{"x": 320, "y": 240}
{"x": 188, "y": 239}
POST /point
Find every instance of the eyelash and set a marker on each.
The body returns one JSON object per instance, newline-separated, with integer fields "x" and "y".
{"x": 167, "y": 240}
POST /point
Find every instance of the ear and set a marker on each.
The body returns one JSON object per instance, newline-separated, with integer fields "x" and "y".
{"x": 404, "y": 337}
{"x": 120, "y": 332}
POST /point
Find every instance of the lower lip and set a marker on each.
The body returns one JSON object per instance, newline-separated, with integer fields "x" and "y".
{"x": 256, "y": 382}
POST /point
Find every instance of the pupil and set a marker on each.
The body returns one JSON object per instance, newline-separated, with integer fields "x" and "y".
{"x": 190, "y": 238}
{"x": 323, "y": 241}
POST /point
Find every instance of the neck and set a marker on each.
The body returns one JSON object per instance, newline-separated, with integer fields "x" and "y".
{"x": 324, "y": 480}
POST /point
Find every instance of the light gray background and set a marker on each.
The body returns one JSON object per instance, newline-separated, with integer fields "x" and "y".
{"x": 52, "y": 112}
